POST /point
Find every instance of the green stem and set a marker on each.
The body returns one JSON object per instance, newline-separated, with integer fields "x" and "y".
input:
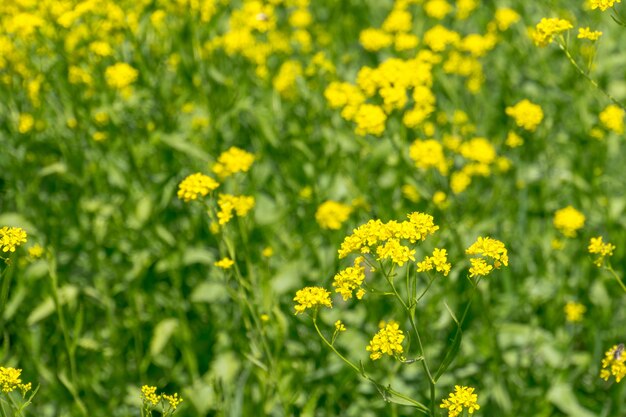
{"x": 593, "y": 82}
{"x": 617, "y": 278}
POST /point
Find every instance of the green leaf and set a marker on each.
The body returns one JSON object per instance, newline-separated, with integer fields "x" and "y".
{"x": 67, "y": 294}
{"x": 162, "y": 334}
{"x": 454, "y": 347}
{"x": 562, "y": 396}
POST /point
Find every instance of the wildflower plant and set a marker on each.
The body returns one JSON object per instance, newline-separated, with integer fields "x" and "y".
{"x": 388, "y": 250}
{"x": 165, "y": 404}
{"x": 16, "y": 394}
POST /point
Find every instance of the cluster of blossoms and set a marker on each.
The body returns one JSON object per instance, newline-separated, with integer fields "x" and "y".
{"x": 568, "y": 220}
{"x": 487, "y": 248}
{"x": 574, "y": 311}
{"x": 386, "y": 238}
{"x": 587, "y": 33}
{"x": 229, "y": 163}
{"x": 350, "y": 279}
{"x": 439, "y": 262}
{"x": 11, "y": 238}
{"x": 406, "y": 85}
{"x": 603, "y": 4}
{"x": 259, "y": 30}
{"x": 598, "y": 247}
{"x": 613, "y": 363}
{"x": 10, "y": 380}
{"x": 332, "y": 214}
{"x": 224, "y": 263}
{"x": 388, "y": 341}
{"x": 462, "y": 398}
{"x": 151, "y": 399}
{"x": 612, "y": 117}
{"x": 120, "y": 76}
{"x": 232, "y": 161}
{"x": 312, "y": 297}
{"x": 466, "y": 158}
{"x": 196, "y": 185}
{"x": 527, "y": 114}
{"x": 547, "y": 28}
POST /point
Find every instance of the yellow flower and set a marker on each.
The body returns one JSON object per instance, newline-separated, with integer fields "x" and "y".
{"x": 437, "y": 9}
{"x": 427, "y": 154}
{"x": 11, "y": 238}
{"x": 174, "y": 400}
{"x": 224, "y": 263}
{"x": 196, "y": 185}
{"x": 439, "y": 262}
{"x": 568, "y": 220}
{"x": 603, "y": 4}
{"x": 546, "y": 29}
{"x": 375, "y": 233}
{"x": 527, "y": 115}
{"x": 513, "y": 140}
{"x": 411, "y": 193}
{"x": 374, "y": 39}
{"x": 120, "y": 75}
{"x": 35, "y": 251}
{"x": 574, "y": 311}
{"x": 339, "y": 326}
{"x": 331, "y": 214}
{"x": 487, "y": 248}
{"x": 268, "y": 252}
{"x": 461, "y": 398}
{"x": 26, "y": 123}
{"x": 388, "y": 341}
{"x": 586, "y": 33}
{"x": 612, "y": 117}
{"x": 613, "y": 363}
{"x": 232, "y": 161}
{"x": 440, "y": 199}
{"x": 350, "y": 279}
{"x": 370, "y": 119}
{"x": 285, "y": 80}
{"x": 149, "y": 395}
{"x": 597, "y": 247}
{"x": 228, "y": 204}
{"x": 505, "y": 17}
{"x": 311, "y": 297}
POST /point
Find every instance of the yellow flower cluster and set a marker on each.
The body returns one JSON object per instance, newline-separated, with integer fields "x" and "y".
{"x": 224, "y": 263}
{"x": 429, "y": 154}
{"x": 487, "y": 248}
{"x": 349, "y": 279}
{"x": 388, "y": 235}
{"x": 151, "y": 399}
{"x": 568, "y": 220}
{"x": 196, "y": 185}
{"x": 259, "y": 30}
{"x": 35, "y": 251}
{"x": 505, "y": 17}
{"x": 11, "y": 238}
{"x": 548, "y": 27}
{"x": 285, "y": 81}
{"x": 587, "y": 33}
{"x": 228, "y": 204}
{"x": 339, "y": 326}
{"x": 232, "y": 161}
{"x": 527, "y": 114}
{"x": 120, "y": 75}
{"x": 598, "y": 247}
{"x": 613, "y": 363}
{"x": 10, "y": 380}
{"x": 332, "y": 214}
{"x": 388, "y": 341}
{"x": 311, "y": 297}
{"x": 612, "y": 117}
{"x": 574, "y": 311}
{"x": 603, "y": 4}
{"x": 460, "y": 399}
{"x": 439, "y": 262}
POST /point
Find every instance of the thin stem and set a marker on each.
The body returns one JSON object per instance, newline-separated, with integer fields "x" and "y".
{"x": 617, "y": 278}
{"x": 593, "y": 82}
